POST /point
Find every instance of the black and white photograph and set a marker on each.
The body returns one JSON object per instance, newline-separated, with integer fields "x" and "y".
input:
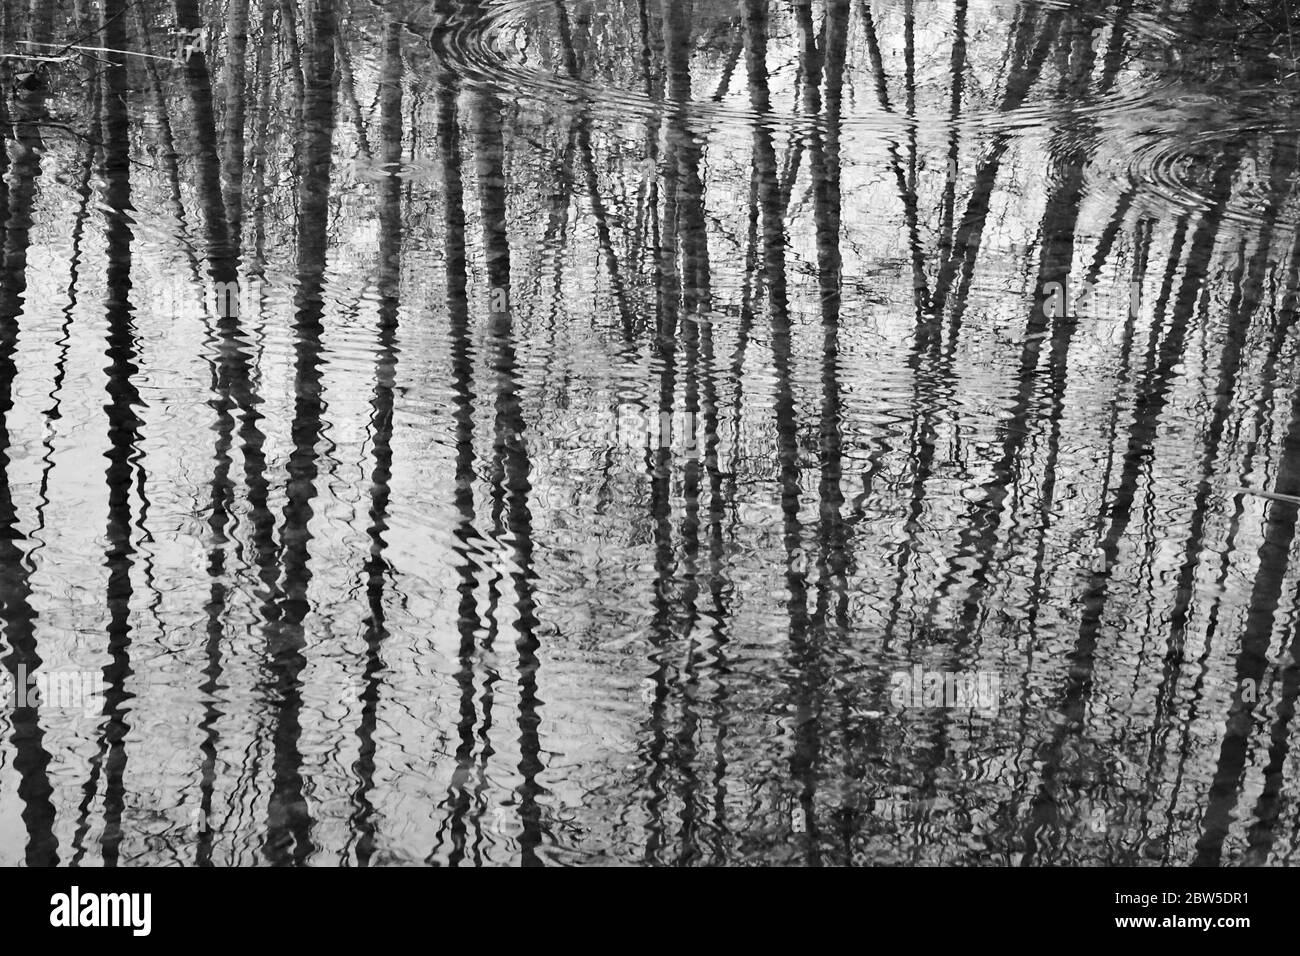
{"x": 650, "y": 433}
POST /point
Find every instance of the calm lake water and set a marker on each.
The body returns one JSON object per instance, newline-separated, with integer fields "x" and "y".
{"x": 562, "y": 432}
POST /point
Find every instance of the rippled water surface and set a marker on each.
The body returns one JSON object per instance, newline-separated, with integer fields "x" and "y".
{"x": 649, "y": 431}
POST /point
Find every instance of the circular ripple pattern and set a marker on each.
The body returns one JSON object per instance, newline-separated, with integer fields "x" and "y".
{"x": 1173, "y": 167}
{"x": 498, "y": 50}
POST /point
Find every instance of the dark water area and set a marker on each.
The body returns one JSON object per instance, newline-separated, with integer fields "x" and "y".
{"x": 677, "y": 432}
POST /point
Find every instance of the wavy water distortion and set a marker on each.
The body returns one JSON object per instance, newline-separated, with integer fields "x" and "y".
{"x": 672, "y": 432}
